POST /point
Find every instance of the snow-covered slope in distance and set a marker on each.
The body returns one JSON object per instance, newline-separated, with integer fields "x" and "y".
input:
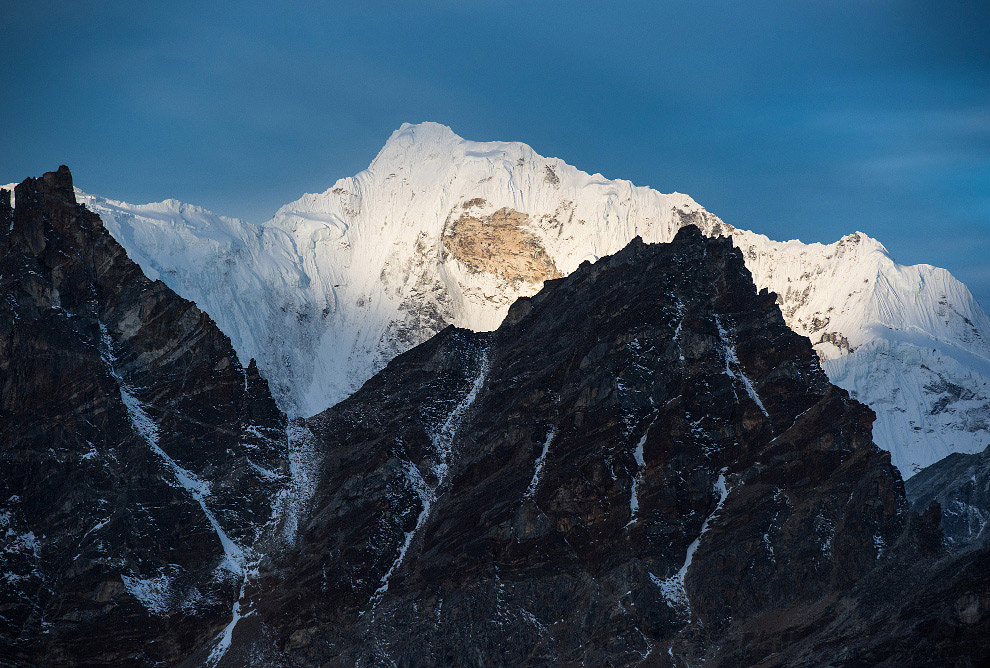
{"x": 441, "y": 230}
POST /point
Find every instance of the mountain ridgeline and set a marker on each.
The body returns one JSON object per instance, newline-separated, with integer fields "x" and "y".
{"x": 643, "y": 465}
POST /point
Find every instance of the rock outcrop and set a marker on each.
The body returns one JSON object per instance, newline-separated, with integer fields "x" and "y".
{"x": 497, "y": 243}
{"x": 642, "y": 466}
{"x": 139, "y": 461}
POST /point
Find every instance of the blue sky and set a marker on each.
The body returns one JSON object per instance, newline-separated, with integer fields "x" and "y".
{"x": 795, "y": 119}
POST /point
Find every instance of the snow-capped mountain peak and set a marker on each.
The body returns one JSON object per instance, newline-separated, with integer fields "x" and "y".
{"x": 441, "y": 230}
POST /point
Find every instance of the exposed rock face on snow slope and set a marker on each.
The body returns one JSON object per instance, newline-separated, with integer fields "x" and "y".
{"x": 440, "y": 230}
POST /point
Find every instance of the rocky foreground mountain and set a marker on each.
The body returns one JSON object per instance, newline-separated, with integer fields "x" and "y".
{"x": 440, "y": 230}
{"x": 140, "y": 464}
{"x": 642, "y": 466}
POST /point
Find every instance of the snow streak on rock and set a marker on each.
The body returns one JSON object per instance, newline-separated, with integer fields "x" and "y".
{"x": 146, "y": 427}
{"x": 292, "y": 501}
{"x": 443, "y": 444}
{"x": 640, "y": 463}
{"x": 224, "y": 639}
{"x": 732, "y": 367}
{"x": 639, "y": 456}
{"x": 672, "y": 588}
{"x": 426, "y": 499}
{"x": 155, "y": 593}
{"x": 443, "y": 440}
{"x": 538, "y": 466}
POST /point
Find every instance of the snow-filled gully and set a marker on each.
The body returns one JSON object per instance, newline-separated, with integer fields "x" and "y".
{"x": 639, "y": 456}
{"x": 146, "y": 427}
{"x": 443, "y": 444}
{"x": 234, "y": 557}
{"x": 672, "y": 588}
{"x": 538, "y": 467}
{"x": 731, "y": 360}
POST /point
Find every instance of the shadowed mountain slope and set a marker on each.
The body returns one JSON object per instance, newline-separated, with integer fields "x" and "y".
{"x": 139, "y": 461}
{"x": 642, "y": 466}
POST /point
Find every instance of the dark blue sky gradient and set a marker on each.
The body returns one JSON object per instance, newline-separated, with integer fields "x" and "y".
{"x": 795, "y": 119}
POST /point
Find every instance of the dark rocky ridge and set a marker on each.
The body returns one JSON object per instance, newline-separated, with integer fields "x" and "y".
{"x": 674, "y": 420}
{"x": 122, "y": 407}
{"x": 960, "y": 484}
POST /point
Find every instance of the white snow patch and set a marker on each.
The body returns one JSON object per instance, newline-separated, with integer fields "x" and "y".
{"x": 330, "y": 289}
{"x": 639, "y": 456}
{"x": 303, "y": 472}
{"x": 879, "y": 544}
{"x": 155, "y": 593}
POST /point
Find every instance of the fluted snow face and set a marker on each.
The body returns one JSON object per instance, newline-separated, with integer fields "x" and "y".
{"x": 440, "y": 230}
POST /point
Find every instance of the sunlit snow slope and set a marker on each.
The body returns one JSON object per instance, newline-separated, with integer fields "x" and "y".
{"x": 441, "y": 230}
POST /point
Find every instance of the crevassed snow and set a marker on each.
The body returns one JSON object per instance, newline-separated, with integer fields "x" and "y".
{"x": 337, "y": 283}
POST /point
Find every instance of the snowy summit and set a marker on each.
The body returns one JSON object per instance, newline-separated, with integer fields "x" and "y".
{"x": 441, "y": 230}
